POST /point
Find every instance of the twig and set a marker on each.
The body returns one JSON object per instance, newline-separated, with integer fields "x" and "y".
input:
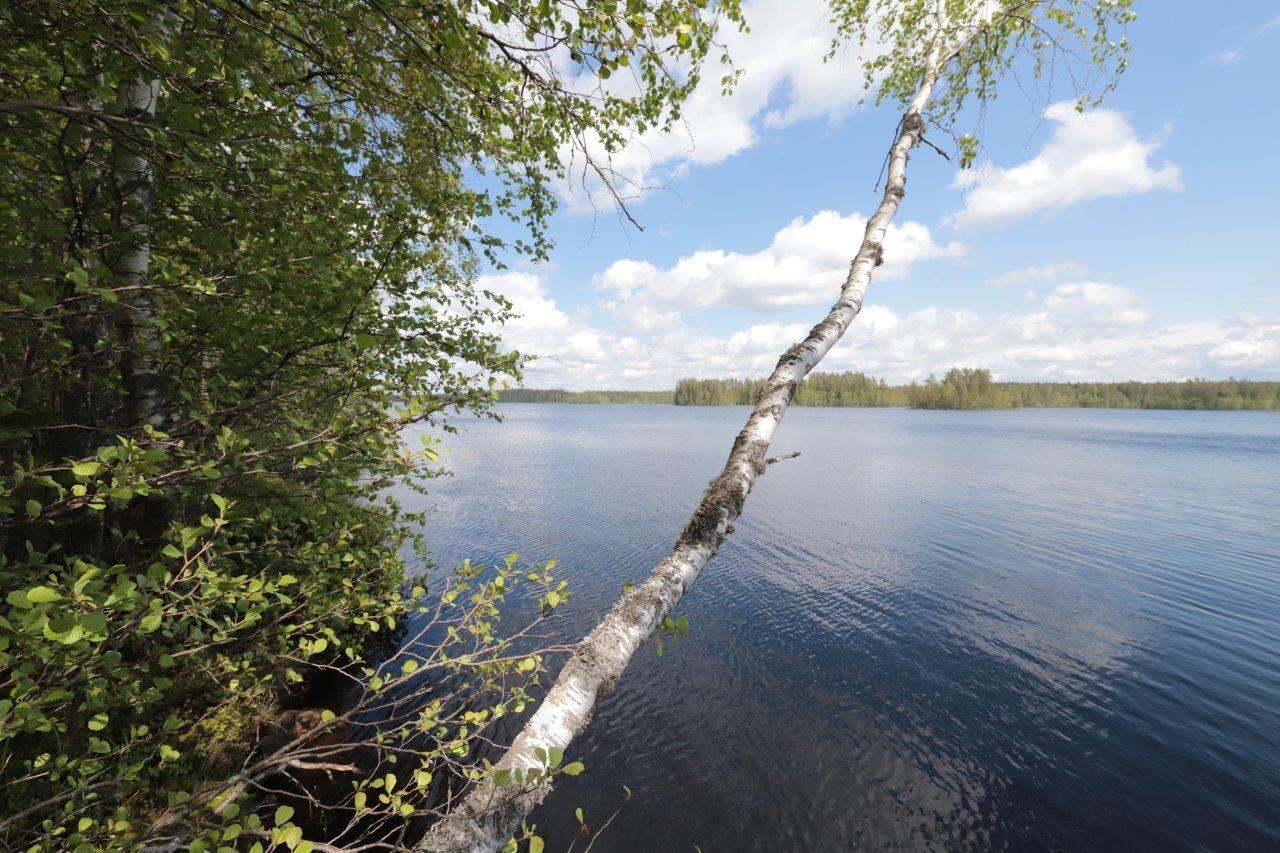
{"x": 773, "y": 459}
{"x": 935, "y": 148}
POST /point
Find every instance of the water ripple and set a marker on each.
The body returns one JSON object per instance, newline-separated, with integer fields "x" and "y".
{"x": 1045, "y": 630}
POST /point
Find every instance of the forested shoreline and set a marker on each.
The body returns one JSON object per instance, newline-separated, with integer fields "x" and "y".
{"x": 959, "y": 388}
{"x": 244, "y": 253}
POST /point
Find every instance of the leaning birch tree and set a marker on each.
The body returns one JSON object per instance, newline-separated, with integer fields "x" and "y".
{"x": 935, "y": 58}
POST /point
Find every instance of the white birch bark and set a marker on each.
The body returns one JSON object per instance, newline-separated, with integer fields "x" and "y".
{"x": 144, "y": 385}
{"x": 489, "y": 815}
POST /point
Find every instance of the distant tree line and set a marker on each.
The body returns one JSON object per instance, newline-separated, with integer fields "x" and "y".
{"x": 965, "y": 388}
{"x": 959, "y": 388}
{"x": 820, "y": 389}
{"x": 559, "y": 395}
{"x": 1226, "y": 394}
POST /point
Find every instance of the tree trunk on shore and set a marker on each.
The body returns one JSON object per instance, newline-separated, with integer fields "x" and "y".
{"x": 135, "y": 181}
{"x": 489, "y": 815}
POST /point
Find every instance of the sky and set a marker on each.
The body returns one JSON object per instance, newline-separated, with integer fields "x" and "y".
{"x": 1140, "y": 240}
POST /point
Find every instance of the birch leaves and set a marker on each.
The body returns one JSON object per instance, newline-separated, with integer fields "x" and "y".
{"x": 1076, "y": 43}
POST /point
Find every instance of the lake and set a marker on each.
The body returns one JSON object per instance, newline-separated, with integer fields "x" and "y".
{"x": 1041, "y": 629}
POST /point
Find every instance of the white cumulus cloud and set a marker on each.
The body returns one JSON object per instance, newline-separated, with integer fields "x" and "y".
{"x": 1096, "y": 303}
{"x": 1090, "y": 155}
{"x": 804, "y": 264}
{"x": 1080, "y": 331}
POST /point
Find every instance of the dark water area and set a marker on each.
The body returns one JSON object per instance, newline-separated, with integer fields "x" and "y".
{"x": 1030, "y": 630}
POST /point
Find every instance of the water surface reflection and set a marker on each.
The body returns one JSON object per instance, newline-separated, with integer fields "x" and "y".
{"x": 933, "y": 630}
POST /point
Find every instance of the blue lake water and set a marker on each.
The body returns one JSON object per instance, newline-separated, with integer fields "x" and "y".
{"x": 1042, "y": 629}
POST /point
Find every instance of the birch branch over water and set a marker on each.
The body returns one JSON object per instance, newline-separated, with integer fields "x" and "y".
{"x": 489, "y": 815}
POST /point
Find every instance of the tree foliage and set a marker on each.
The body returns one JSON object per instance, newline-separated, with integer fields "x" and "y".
{"x": 265, "y": 216}
{"x": 986, "y": 42}
{"x": 959, "y": 388}
{"x": 818, "y": 389}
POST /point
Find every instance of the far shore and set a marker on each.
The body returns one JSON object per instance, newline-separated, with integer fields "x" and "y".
{"x": 959, "y": 388}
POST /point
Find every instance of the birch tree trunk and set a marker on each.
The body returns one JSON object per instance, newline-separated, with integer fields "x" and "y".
{"x": 489, "y": 815}
{"x": 135, "y": 181}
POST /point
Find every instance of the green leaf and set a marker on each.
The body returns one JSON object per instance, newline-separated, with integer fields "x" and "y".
{"x": 574, "y": 768}
{"x": 65, "y": 629}
{"x": 86, "y": 469}
{"x": 283, "y": 814}
{"x": 536, "y": 844}
{"x": 43, "y": 595}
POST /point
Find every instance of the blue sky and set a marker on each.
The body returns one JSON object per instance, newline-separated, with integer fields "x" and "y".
{"x": 1141, "y": 240}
